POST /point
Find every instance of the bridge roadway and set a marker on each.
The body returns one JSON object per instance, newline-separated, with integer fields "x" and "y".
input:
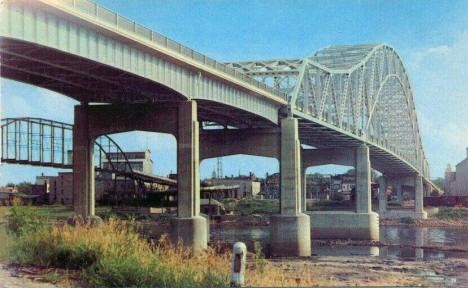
{"x": 152, "y": 83}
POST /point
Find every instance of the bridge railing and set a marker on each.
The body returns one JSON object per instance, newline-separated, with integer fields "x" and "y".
{"x": 105, "y": 15}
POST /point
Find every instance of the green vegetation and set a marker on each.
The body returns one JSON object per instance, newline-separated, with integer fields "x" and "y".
{"x": 330, "y": 205}
{"x": 112, "y": 255}
{"x": 407, "y": 220}
{"x": 451, "y": 213}
{"x": 259, "y": 257}
{"x": 250, "y": 206}
{"x": 4, "y": 239}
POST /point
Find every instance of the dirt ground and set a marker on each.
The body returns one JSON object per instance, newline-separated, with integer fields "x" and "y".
{"x": 325, "y": 270}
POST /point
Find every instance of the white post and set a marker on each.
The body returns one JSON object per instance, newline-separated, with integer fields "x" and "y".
{"x": 239, "y": 256}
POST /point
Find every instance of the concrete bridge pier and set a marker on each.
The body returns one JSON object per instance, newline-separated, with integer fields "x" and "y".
{"x": 361, "y": 224}
{"x": 290, "y": 230}
{"x": 189, "y": 226}
{"x": 83, "y": 164}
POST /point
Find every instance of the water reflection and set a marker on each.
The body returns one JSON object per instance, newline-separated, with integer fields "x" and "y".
{"x": 403, "y": 242}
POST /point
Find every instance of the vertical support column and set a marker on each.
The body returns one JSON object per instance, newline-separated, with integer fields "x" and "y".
{"x": 189, "y": 226}
{"x": 83, "y": 164}
{"x": 382, "y": 195}
{"x": 290, "y": 167}
{"x": 418, "y": 198}
{"x": 304, "y": 186}
{"x": 363, "y": 180}
{"x": 290, "y": 231}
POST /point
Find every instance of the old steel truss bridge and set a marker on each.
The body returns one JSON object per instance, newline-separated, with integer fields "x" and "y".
{"x": 48, "y": 143}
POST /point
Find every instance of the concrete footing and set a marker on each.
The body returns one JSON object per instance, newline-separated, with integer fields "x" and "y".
{"x": 191, "y": 231}
{"x": 290, "y": 235}
{"x": 344, "y": 225}
{"x": 394, "y": 214}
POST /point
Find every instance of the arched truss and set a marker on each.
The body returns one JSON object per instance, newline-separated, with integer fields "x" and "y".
{"x": 363, "y": 89}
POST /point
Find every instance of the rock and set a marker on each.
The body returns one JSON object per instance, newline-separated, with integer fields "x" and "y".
{"x": 94, "y": 220}
{"x": 75, "y": 220}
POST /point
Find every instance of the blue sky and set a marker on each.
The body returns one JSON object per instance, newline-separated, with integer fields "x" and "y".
{"x": 431, "y": 37}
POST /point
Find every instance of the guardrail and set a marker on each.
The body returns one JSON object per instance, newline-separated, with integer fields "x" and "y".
{"x": 120, "y": 22}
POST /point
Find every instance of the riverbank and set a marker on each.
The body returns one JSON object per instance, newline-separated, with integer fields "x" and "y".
{"x": 431, "y": 222}
{"x": 310, "y": 271}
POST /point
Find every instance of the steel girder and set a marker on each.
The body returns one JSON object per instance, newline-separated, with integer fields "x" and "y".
{"x": 362, "y": 89}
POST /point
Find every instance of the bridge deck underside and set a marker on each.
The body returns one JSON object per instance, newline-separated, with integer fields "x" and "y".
{"x": 319, "y": 136}
{"x": 86, "y": 80}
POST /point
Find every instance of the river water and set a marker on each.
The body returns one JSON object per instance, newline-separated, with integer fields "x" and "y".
{"x": 399, "y": 242}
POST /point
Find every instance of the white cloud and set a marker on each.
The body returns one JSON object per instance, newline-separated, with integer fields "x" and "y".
{"x": 439, "y": 76}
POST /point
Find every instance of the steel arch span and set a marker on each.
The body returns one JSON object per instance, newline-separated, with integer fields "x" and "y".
{"x": 363, "y": 90}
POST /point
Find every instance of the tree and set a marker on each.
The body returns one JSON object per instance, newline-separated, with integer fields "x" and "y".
{"x": 439, "y": 182}
{"x": 24, "y": 187}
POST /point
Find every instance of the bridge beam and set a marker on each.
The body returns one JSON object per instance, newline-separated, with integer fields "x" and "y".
{"x": 290, "y": 230}
{"x": 258, "y": 142}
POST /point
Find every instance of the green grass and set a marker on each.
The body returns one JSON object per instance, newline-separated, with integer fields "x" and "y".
{"x": 58, "y": 212}
{"x": 330, "y": 205}
{"x": 452, "y": 213}
{"x": 4, "y": 243}
{"x": 113, "y": 254}
{"x": 250, "y": 206}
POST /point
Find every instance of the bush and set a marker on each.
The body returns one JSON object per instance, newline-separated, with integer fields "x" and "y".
{"x": 407, "y": 220}
{"x": 23, "y": 220}
{"x": 115, "y": 255}
{"x": 259, "y": 256}
{"x": 450, "y": 213}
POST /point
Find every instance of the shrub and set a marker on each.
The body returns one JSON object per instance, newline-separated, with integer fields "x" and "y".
{"x": 450, "y": 213}
{"x": 259, "y": 256}
{"x": 115, "y": 255}
{"x": 23, "y": 220}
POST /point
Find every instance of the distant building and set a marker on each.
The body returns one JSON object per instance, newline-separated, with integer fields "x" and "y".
{"x": 249, "y": 186}
{"x": 456, "y": 182}
{"x": 61, "y": 188}
{"x": 43, "y": 180}
{"x": 271, "y": 186}
{"x": 139, "y": 161}
{"x": 344, "y": 184}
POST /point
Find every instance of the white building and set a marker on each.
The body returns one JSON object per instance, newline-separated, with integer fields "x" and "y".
{"x": 456, "y": 182}
{"x": 248, "y": 188}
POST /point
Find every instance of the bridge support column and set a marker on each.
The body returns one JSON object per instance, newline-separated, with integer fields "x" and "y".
{"x": 363, "y": 180}
{"x": 83, "y": 164}
{"x": 189, "y": 226}
{"x": 419, "y": 212}
{"x": 369, "y": 223}
{"x": 290, "y": 231}
{"x": 382, "y": 195}
{"x": 304, "y": 186}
